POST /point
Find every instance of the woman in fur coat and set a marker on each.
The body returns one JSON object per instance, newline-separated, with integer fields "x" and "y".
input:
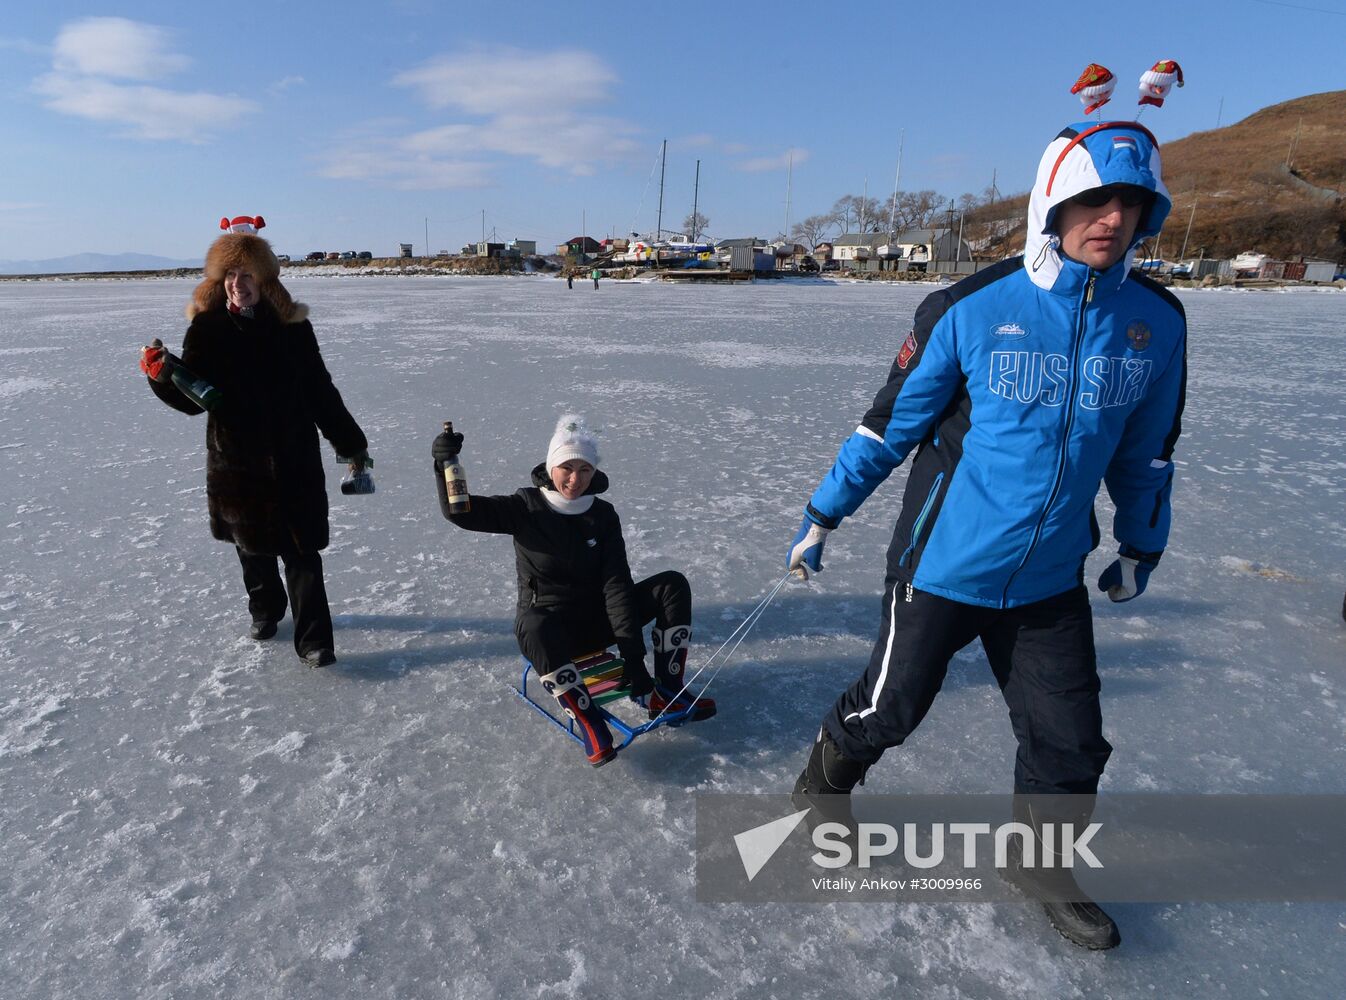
{"x": 264, "y": 472}
{"x": 575, "y": 589}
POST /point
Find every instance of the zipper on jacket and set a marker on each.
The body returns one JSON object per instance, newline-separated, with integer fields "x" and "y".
{"x": 1065, "y": 436}
{"x": 920, "y": 522}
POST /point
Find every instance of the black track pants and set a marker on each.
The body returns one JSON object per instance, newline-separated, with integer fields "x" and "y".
{"x": 552, "y": 637}
{"x": 307, "y": 595}
{"x": 1043, "y": 658}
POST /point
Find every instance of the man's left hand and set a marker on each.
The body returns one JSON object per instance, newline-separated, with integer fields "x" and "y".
{"x": 1125, "y": 579}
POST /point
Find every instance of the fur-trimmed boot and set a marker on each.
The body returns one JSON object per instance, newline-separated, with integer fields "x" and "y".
{"x": 670, "y": 662}
{"x": 567, "y": 687}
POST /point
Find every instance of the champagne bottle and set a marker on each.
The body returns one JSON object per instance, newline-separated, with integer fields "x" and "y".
{"x": 195, "y": 388}
{"x": 455, "y": 480}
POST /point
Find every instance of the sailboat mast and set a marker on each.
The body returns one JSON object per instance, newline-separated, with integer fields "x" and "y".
{"x": 659, "y": 223}
{"x": 789, "y": 181}
{"x": 696, "y": 190}
{"x": 892, "y": 208}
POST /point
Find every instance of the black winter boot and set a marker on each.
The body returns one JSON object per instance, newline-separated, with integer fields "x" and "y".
{"x": 824, "y": 786}
{"x": 1078, "y": 918}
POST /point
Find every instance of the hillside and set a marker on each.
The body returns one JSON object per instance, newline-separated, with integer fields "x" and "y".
{"x": 1246, "y": 197}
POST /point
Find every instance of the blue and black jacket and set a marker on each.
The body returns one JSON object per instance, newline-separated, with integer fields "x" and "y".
{"x": 1021, "y": 388}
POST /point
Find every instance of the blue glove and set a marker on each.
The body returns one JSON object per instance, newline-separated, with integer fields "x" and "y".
{"x": 1128, "y": 574}
{"x": 807, "y": 548}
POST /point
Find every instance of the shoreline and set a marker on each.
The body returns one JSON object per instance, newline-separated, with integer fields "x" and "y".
{"x": 624, "y": 276}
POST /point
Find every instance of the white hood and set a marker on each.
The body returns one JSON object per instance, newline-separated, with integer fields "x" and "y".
{"x": 1089, "y": 155}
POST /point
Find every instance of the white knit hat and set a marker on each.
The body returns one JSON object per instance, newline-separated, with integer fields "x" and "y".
{"x": 572, "y": 439}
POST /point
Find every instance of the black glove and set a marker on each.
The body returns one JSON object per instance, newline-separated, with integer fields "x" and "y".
{"x": 446, "y": 447}
{"x": 635, "y": 678}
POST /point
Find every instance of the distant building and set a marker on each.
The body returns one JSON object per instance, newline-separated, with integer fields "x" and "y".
{"x": 857, "y": 246}
{"x": 932, "y": 244}
{"x": 405, "y": 249}
{"x": 522, "y": 248}
{"x": 578, "y": 245}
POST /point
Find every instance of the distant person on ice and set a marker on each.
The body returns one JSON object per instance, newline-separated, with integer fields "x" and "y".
{"x": 575, "y": 590}
{"x": 1020, "y": 389}
{"x": 264, "y": 472}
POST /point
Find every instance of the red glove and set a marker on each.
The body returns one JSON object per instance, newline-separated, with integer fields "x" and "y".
{"x": 156, "y": 362}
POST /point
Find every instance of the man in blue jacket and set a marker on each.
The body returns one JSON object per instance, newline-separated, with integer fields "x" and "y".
{"x": 1021, "y": 389}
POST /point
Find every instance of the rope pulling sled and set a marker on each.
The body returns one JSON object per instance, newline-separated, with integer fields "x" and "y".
{"x": 602, "y": 675}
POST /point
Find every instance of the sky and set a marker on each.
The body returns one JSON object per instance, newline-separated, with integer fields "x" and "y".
{"x": 136, "y": 127}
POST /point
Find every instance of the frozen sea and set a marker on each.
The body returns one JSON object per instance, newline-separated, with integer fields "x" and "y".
{"x": 187, "y": 813}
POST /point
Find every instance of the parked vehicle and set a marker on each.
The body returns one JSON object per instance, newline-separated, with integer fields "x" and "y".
{"x": 808, "y": 265}
{"x": 365, "y": 255}
{"x": 284, "y": 258}
{"x": 832, "y": 265}
{"x": 315, "y": 255}
{"x": 334, "y": 256}
{"x": 348, "y": 255}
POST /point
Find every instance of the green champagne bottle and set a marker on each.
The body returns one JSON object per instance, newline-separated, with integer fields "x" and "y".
{"x": 195, "y": 388}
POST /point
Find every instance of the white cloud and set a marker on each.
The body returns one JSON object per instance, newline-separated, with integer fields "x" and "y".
{"x": 146, "y": 112}
{"x": 406, "y": 170}
{"x": 530, "y": 106}
{"x": 781, "y": 161}
{"x": 90, "y": 59}
{"x": 505, "y": 80}
{"x": 116, "y": 47}
{"x": 286, "y": 82}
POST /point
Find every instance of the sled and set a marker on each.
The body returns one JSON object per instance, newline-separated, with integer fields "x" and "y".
{"x": 602, "y": 674}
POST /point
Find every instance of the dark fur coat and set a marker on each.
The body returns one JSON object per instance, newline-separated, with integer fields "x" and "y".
{"x": 264, "y": 468}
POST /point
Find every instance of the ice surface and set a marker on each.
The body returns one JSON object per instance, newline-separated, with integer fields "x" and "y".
{"x": 191, "y": 814}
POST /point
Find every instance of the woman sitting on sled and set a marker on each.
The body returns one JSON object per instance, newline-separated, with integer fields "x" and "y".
{"x": 575, "y": 588}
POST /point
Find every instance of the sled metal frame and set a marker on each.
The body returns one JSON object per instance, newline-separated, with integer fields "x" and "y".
{"x": 621, "y": 727}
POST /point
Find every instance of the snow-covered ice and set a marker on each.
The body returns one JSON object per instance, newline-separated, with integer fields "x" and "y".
{"x": 191, "y": 814}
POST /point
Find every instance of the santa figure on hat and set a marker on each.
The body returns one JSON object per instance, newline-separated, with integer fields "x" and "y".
{"x": 243, "y": 224}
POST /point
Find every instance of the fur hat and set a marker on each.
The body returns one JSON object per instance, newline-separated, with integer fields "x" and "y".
{"x": 572, "y": 439}
{"x": 251, "y": 252}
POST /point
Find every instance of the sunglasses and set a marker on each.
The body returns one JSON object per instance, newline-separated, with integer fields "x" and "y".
{"x": 1129, "y": 195}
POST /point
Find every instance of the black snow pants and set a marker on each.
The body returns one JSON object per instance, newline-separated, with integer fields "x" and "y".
{"x": 307, "y": 595}
{"x": 551, "y": 637}
{"x": 1042, "y": 655}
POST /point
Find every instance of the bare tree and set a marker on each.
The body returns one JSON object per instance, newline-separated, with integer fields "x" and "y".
{"x": 861, "y": 214}
{"x": 917, "y": 209}
{"x": 695, "y": 225}
{"x": 813, "y": 230}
